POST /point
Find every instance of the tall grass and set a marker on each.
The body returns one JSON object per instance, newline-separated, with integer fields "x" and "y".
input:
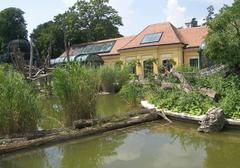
{"x": 112, "y": 78}
{"x": 132, "y": 92}
{"x": 19, "y": 106}
{"x": 76, "y": 87}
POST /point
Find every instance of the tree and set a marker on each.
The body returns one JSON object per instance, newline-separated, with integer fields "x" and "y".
{"x": 223, "y": 39}
{"x": 48, "y": 34}
{"x": 12, "y": 26}
{"x": 210, "y": 10}
{"x": 85, "y": 21}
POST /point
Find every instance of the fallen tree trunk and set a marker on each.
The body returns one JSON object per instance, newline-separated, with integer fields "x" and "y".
{"x": 187, "y": 87}
{"x": 210, "y": 93}
{"x": 69, "y": 133}
{"x": 184, "y": 84}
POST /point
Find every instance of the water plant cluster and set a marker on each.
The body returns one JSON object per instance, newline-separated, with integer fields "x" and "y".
{"x": 77, "y": 86}
{"x": 193, "y": 102}
{"x": 20, "y": 109}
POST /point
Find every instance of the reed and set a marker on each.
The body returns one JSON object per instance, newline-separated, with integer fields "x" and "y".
{"x": 19, "y": 105}
{"x": 76, "y": 86}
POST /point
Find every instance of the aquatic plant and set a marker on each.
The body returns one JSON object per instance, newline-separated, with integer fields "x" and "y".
{"x": 19, "y": 105}
{"x": 112, "y": 78}
{"x": 132, "y": 92}
{"x": 76, "y": 87}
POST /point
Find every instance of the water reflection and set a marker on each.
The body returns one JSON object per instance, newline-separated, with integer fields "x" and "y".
{"x": 107, "y": 105}
{"x": 150, "y": 145}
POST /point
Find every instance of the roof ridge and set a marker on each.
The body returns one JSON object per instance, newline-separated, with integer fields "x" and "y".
{"x": 134, "y": 37}
{"x": 176, "y": 32}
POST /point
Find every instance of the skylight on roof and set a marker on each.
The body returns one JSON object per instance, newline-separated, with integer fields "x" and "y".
{"x": 94, "y": 48}
{"x": 151, "y": 38}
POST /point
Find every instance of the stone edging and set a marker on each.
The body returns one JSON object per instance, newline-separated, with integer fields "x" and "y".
{"x": 184, "y": 116}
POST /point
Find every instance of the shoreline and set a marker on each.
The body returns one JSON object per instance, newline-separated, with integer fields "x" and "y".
{"x": 229, "y": 122}
{"x": 150, "y": 113}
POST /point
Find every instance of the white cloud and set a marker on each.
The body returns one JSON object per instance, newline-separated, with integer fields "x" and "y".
{"x": 69, "y": 3}
{"x": 125, "y": 11}
{"x": 175, "y": 13}
{"x": 216, "y": 2}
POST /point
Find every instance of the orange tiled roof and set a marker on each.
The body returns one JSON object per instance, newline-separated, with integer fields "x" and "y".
{"x": 169, "y": 36}
{"x": 193, "y": 36}
{"x": 119, "y": 43}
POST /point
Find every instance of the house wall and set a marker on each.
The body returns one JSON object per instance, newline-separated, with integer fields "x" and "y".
{"x": 190, "y": 53}
{"x": 111, "y": 60}
{"x": 174, "y": 52}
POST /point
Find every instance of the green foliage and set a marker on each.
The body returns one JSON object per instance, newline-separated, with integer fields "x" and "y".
{"x": 193, "y": 102}
{"x": 47, "y": 34}
{"x": 132, "y": 92}
{"x": 76, "y": 88}
{"x": 19, "y": 106}
{"x": 228, "y": 89}
{"x": 112, "y": 78}
{"x": 179, "y": 101}
{"x": 223, "y": 39}
{"x": 85, "y": 21}
{"x": 12, "y": 26}
{"x": 187, "y": 69}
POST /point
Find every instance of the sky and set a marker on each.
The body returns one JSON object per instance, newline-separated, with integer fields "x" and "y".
{"x": 136, "y": 14}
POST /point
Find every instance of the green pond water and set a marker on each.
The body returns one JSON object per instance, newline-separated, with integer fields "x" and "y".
{"x": 150, "y": 145}
{"x": 107, "y": 105}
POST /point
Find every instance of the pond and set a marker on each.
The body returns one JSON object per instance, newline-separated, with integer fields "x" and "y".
{"x": 107, "y": 105}
{"x": 150, "y": 145}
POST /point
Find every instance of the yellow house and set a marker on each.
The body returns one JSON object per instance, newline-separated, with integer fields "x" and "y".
{"x": 159, "y": 42}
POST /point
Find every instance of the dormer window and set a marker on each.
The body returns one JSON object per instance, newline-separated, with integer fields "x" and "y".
{"x": 151, "y": 38}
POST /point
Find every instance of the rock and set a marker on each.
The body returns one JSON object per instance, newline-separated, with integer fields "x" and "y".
{"x": 167, "y": 86}
{"x": 213, "y": 121}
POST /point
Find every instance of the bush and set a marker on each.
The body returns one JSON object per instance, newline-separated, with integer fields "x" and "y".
{"x": 112, "y": 78}
{"x": 179, "y": 101}
{"x": 193, "y": 102}
{"x": 132, "y": 92}
{"x": 76, "y": 87}
{"x": 19, "y": 105}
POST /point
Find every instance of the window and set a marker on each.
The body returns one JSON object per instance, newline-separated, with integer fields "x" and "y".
{"x": 193, "y": 62}
{"x": 147, "y": 68}
{"x": 151, "y": 38}
{"x": 168, "y": 64}
{"x": 94, "y": 48}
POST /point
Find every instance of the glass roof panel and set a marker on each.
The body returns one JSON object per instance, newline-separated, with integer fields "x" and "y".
{"x": 151, "y": 38}
{"x": 94, "y": 48}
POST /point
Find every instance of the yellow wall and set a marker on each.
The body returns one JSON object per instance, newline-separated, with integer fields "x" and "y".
{"x": 190, "y": 53}
{"x": 159, "y": 53}
{"x": 174, "y": 52}
{"x": 111, "y": 60}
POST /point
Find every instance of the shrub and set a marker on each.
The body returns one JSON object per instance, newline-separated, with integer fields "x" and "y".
{"x": 19, "y": 105}
{"x": 76, "y": 87}
{"x": 107, "y": 78}
{"x": 112, "y": 78}
{"x": 132, "y": 92}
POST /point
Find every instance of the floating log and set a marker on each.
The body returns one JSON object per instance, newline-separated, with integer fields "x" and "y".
{"x": 84, "y": 123}
{"x": 70, "y": 134}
